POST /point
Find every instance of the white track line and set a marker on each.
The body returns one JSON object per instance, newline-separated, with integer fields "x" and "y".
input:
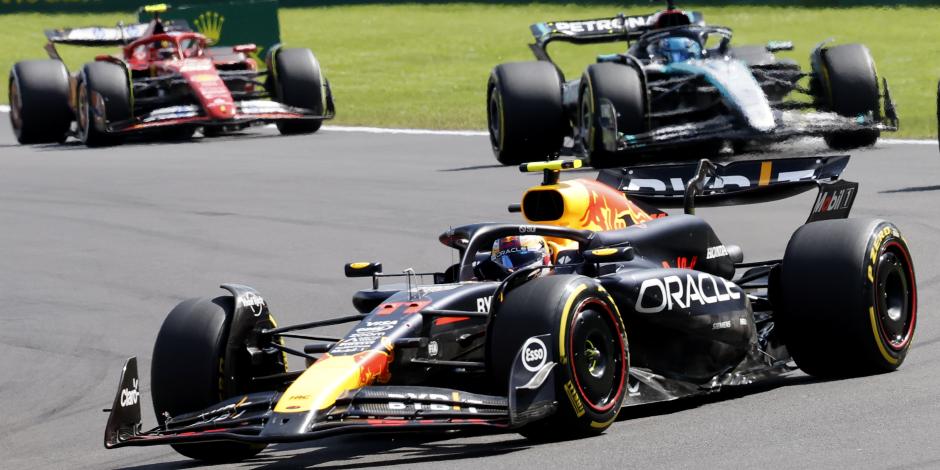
{"x": 382, "y": 130}
{"x": 907, "y": 141}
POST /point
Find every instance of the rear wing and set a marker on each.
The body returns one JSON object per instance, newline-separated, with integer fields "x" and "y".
{"x": 599, "y": 30}
{"x": 98, "y": 36}
{"x": 743, "y": 182}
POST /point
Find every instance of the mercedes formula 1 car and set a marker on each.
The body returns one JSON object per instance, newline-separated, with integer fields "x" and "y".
{"x": 633, "y": 306}
{"x": 168, "y": 81}
{"x": 680, "y": 85}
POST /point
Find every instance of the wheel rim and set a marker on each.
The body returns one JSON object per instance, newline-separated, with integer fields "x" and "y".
{"x": 495, "y": 121}
{"x": 895, "y": 296}
{"x": 83, "y": 110}
{"x": 586, "y": 119}
{"x": 16, "y": 107}
{"x": 598, "y": 355}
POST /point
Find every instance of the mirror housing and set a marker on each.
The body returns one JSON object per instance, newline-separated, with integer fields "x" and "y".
{"x": 245, "y": 48}
{"x": 776, "y": 46}
{"x": 362, "y": 269}
{"x": 609, "y": 255}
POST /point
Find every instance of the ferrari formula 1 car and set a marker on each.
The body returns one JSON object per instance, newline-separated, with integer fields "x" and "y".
{"x": 679, "y": 85}
{"x": 632, "y": 307}
{"x": 167, "y": 81}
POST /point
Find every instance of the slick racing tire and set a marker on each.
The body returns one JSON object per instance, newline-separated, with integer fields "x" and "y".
{"x": 588, "y": 344}
{"x": 524, "y": 115}
{"x": 186, "y": 371}
{"x": 623, "y": 86}
{"x": 849, "y": 297}
{"x": 39, "y": 101}
{"x": 849, "y": 87}
{"x": 102, "y": 98}
{"x": 299, "y": 82}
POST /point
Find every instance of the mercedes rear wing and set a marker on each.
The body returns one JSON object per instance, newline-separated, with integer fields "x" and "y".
{"x": 708, "y": 184}
{"x": 599, "y": 30}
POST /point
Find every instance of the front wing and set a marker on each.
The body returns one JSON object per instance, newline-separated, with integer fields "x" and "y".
{"x": 395, "y": 408}
{"x": 248, "y": 112}
{"x": 250, "y": 418}
{"x": 789, "y": 124}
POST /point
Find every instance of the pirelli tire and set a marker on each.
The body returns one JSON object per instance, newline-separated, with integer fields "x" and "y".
{"x": 39, "y": 101}
{"x": 849, "y": 87}
{"x": 102, "y": 99}
{"x": 849, "y": 297}
{"x": 186, "y": 371}
{"x": 621, "y": 85}
{"x": 525, "y": 117}
{"x": 589, "y": 347}
{"x": 299, "y": 82}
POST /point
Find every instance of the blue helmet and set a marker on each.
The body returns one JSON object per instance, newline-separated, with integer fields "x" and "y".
{"x": 676, "y": 49}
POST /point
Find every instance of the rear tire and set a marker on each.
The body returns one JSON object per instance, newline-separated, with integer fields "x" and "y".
{"x": 849, "y": 87}
{"x": 623, "y": 86}
{"x": 591, "y": 371}
{"x": 110, "y": 82}
{"x": 300, "y": 84}
{"x": 849, "y": 297}
{"x": 39, "y": 101}
{"x": 525, "y": 117}
{"x": 186, "y": 372}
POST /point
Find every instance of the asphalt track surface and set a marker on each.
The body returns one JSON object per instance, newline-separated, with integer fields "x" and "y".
{"x": 97, "y": 245}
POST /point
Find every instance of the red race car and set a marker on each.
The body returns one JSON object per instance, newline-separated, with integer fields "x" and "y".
{"x": 167, "y": 81}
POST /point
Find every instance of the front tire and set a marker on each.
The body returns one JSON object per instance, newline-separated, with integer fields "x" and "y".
{"x": 849, "y": 297}
{"x": 525, "y": 117}
{"x": 186, "y": 371}
{"x": 623, "y": 86}
{"x": 39, "y": 101}
{"x": 103, "y": 98}
{"x": 849, "y": 87}
{"x": 589, "y": 344}
{"x": 300, "y": 84}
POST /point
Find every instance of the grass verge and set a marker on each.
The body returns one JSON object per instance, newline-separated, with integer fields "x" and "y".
{"x": 426, "y": 66}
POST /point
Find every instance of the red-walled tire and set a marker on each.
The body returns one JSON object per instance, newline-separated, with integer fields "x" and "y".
{"x": 589, "y": 344}
{"x": 849, "y": 297}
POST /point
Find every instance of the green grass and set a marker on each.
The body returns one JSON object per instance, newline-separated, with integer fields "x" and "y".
{"x": 426, "y": 65}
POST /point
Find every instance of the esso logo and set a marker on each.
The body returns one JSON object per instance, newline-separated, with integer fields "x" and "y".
{"x": 534, "y": 354}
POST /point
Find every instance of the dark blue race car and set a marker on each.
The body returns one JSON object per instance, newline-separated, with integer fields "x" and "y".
{"x": 680, "y": 82}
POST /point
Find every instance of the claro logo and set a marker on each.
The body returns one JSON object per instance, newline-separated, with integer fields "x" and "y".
{"x": 673, "y": 292}
{"x": 130, "y": 396}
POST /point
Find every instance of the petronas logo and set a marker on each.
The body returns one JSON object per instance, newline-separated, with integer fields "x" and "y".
{"x": 209, "y": 23}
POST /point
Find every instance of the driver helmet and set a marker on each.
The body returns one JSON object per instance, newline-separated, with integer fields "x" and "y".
{"x": 162, "y": 50}
{"x": 517, "y": 252}
{"x": 676, "y": 49}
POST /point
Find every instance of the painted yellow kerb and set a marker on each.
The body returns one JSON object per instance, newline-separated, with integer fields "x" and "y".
{"x": 564, "y": 322}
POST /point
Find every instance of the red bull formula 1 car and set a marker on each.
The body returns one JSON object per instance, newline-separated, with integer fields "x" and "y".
{"x": 634, "y": 307}
{"x": 166, "y": 81}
